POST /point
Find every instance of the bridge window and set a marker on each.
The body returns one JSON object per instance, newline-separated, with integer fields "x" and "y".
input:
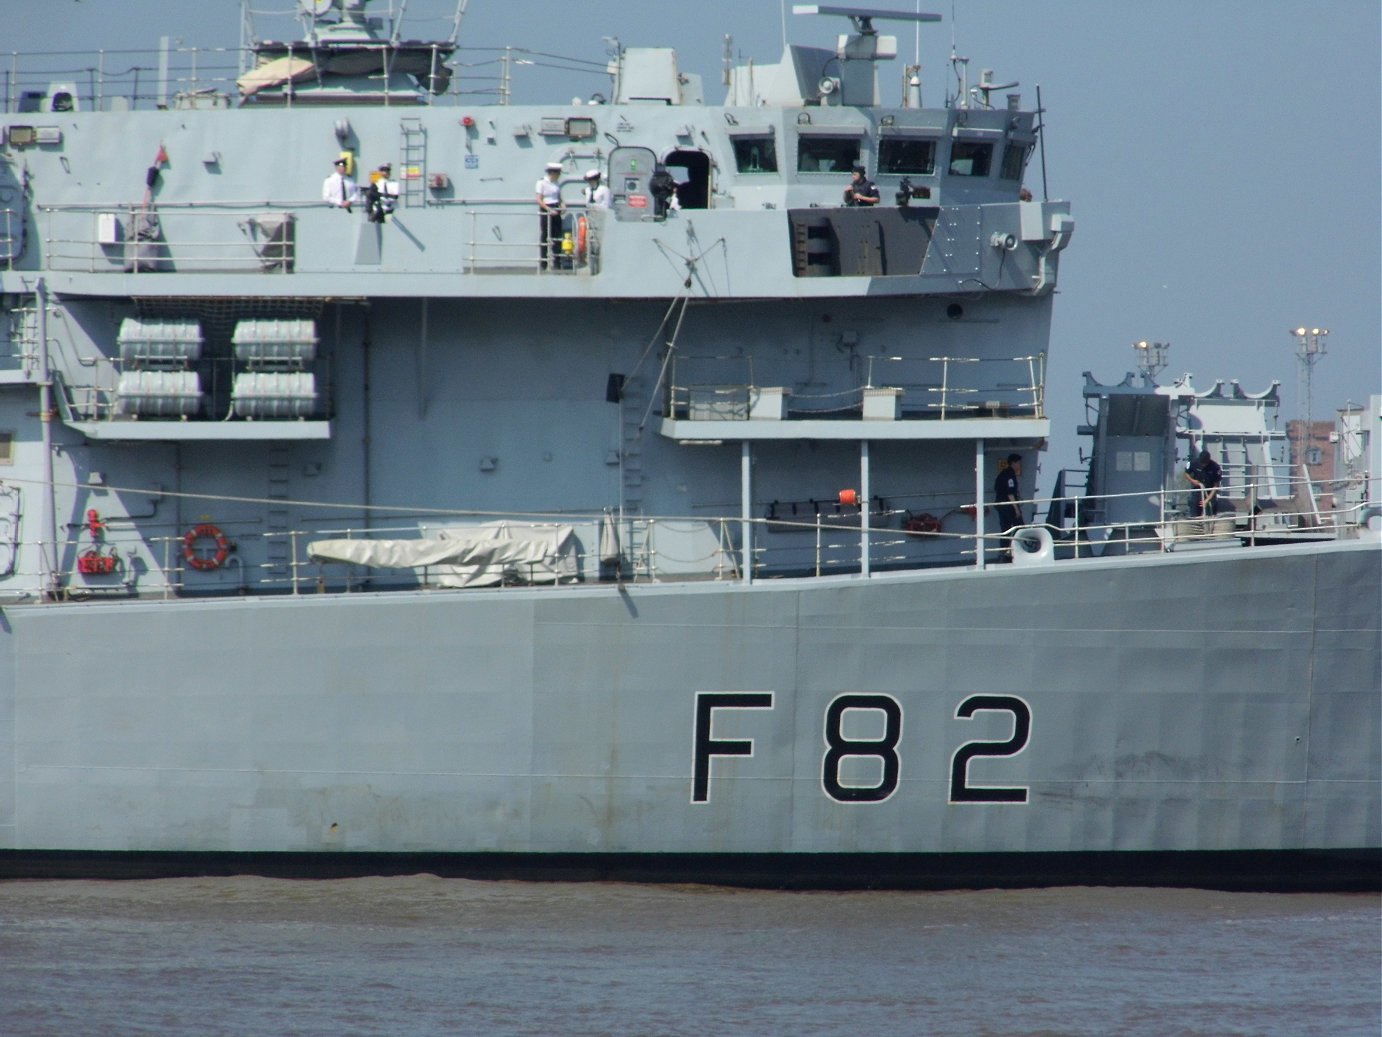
{"x": 901, "y": 155}
{"x": 756, "y": 154}
{"x": 827, "y": 154}
{"x": 1014, "y": 161}
{"x": 970, "y": 158}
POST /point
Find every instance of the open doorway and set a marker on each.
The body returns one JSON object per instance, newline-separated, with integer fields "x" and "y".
{"x": 691, "y": 170}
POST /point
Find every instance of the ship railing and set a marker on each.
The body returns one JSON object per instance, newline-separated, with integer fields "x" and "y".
{"x": 184, "y": 237}
{"x": 712, "y": 387}
{"x": 178, "y": 77}
{"x": 724, "y": 387}
{"x": 119, "y": 557}
{"x": 255, "y": 237}
{"x": 897, "y": 538}
{"x": 961, "y": 386}
{"x": 1165, "y": 519}
{"x": 1272, "y": 488}
{"x": 876, "y": 535}
{"x": 12, "y": 231}
{"x": 156, "y": 553}
{"x": 504, "y": 235}
{"x": 61, "y": 81}
{"x": 1248, "y": 483}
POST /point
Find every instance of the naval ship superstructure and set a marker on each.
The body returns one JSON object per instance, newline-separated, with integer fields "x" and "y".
{"x": 655, "y": 541}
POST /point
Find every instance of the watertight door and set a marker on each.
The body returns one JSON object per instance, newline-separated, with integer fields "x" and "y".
{"x": 629, "y": 172}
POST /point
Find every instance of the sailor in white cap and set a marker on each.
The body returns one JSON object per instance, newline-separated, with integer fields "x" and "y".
{"x": 549, "y": 209}
{"x": 382, "y": 194}
{"x": 597, "y": 195}
{"x": 339, "y": 189}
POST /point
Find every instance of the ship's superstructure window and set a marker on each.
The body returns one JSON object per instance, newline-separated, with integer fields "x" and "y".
{"x": 580, "y": 129}
{"x": 1014, "y": 161}
{"x": 827, "y": 154}
{"x": 1132, "y": 460}
{"x": 904, "y": 155}
{"x": 756, "y": 154}
{"x": 970, "y": 158}
{"x": 6, "y": 448}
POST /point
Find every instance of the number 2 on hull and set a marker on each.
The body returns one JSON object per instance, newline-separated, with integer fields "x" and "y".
{"x": 960, "y": 789}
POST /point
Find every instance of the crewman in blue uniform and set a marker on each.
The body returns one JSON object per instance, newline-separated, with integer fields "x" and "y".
{"x": 861, "y": 190}
{"x": 1205, "y": 475}
{"x": 1006, "y": 496}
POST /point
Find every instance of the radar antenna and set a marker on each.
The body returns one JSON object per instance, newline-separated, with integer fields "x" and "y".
{"x": 857, "y": 51}
{"x": 863, "y": 17}
{"x": 987, "y": 86}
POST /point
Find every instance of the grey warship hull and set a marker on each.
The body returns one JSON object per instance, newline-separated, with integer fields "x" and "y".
{"x": 686, "y": 732}
{"x": 341, "y": 542}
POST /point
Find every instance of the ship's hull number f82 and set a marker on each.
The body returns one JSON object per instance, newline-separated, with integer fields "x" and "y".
{"x": 883, "y": 760}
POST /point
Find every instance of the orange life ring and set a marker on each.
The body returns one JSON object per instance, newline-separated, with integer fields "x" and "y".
{"x": 582, "y": 232}
{"x": 205, "y": 563}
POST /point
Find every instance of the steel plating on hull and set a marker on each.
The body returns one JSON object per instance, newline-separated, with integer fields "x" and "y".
{"x": 749, "y": 730}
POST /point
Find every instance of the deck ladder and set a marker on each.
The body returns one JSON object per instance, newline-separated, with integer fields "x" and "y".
{"x": 412, "y": 151}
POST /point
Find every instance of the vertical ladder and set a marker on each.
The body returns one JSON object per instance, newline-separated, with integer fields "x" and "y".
{"x": 635, "y": 531}
{"x": 278, "y": 543}
{"x": 412, "y": 151}
{"x": 22, "y": 333}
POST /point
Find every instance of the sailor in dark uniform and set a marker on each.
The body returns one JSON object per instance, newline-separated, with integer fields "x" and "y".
{"x": 1205, "y": 475}
{"x": 1006, "y": 494}
{"x": 381, "y": 197}
{"x": 663, "y": 187}
{"x": 861, "y": 190}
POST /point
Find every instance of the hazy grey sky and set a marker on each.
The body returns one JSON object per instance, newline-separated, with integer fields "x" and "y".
{"x": 1222, "y": 156}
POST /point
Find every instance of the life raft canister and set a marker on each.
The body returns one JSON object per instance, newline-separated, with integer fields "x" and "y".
{"x": 93, "y": 563}
{"x": 923, "y": 523}
{"x": 202, "y": 562}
